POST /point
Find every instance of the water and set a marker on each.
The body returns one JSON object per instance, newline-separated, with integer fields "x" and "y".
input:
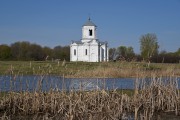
{"x": 47, "y": 82}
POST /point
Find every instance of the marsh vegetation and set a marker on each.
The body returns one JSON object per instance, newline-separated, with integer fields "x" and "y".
{"x": 148, "y": 98}
{"x": 157, "y": 94}
{"x": 88, "y": 70}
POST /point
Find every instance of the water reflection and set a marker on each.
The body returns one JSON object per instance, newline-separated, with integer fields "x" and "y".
{"x": 45, "y": 83}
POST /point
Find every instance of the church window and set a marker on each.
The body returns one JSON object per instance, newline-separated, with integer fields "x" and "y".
{"x": 74, "y": 51}
{"x": 90, "y": 32}
{"x": 85, "y": 51}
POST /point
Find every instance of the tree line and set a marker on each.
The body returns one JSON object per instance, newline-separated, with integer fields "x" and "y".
{"x": 28, "y": 51}
{"x": 149, "y": 52}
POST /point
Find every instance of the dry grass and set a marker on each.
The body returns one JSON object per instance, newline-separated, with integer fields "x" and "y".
{"x": 68, "y": 106}
{"x": 159, "y": 95}
{"x": 150, "y": 97}
{"x": 127, "y": 69}
{"x": 90, "y": 70}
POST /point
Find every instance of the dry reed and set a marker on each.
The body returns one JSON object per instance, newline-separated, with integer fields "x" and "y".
{"x": 153, "y": 95}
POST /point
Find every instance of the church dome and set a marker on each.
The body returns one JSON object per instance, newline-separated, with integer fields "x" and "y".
{"x": 89, "y": 23}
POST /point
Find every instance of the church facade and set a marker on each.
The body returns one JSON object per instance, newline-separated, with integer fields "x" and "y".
{"x": 89, "y": 48}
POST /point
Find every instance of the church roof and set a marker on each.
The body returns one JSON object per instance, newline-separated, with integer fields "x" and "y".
{"x": 103, "y": 42}
{"x": 89, "y": 23}
{"x": 80, "y": 42}
{"x": 77, "y": 42}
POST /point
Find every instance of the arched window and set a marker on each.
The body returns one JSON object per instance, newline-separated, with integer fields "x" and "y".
{"x": 85, "y": 51}
{"x": 74, "y": 51}
{"x": 90, "y": 32}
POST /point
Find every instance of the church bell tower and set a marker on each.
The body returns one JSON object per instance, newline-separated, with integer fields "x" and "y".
{"x": 89, "y": 31}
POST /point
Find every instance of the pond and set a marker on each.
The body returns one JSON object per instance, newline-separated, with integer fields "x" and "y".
{"x": 47, "y": 82}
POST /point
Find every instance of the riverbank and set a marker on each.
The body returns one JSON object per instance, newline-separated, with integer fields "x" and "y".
{"x": 88, "y": 70}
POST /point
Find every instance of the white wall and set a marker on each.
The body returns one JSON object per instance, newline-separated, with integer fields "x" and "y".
{"x": 72, "y": 56}
{"x": 92, "y": 52}
{"x": 85, "y": 32}
{"x": 104, "y": 53}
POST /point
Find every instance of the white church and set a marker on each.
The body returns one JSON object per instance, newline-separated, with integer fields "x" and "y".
{"x": 89, "y": 48}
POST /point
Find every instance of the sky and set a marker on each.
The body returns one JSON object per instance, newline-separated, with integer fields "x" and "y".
{"x": 119, "y": 22}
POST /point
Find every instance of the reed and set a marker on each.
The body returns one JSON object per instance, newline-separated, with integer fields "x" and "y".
{"x": 152, "y": 95}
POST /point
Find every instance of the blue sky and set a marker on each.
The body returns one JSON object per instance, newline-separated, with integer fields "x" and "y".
{"x": 120, "y": 22}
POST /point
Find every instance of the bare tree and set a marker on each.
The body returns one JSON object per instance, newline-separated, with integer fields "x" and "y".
{"x": 148, "y": 46}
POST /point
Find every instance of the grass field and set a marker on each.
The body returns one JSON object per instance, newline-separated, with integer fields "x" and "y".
{"x": 84, "y": 69}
